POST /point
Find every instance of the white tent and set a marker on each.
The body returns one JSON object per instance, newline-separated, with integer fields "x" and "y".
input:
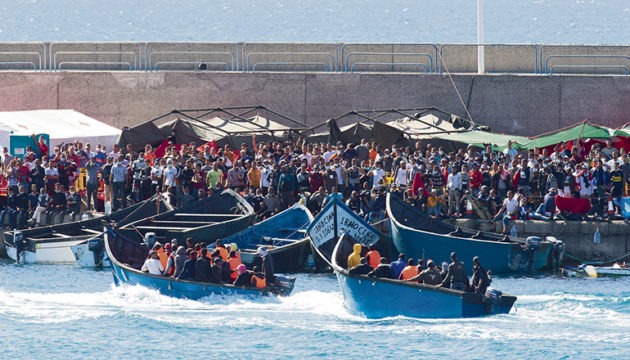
{"x": 61, "y": 125}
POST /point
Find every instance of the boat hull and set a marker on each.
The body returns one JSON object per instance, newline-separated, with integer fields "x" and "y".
{"x": 182, "y": 288}
{"x": 284, "y": 237}
{"x": 127, "y": 255}
{"x": 46, "y": 253}
{"x": 496, "y": 255}
{"x": 378, "y": 298}
{"x": 85, "y": 257}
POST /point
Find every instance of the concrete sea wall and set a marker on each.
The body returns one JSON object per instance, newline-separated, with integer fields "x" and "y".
{"x": 519, "y": 104}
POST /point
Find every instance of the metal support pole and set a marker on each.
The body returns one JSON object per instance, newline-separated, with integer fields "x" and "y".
{"x": 481, "y": 65}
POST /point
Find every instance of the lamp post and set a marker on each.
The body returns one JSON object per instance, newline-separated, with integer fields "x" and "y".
{"x": 481, "y": 66}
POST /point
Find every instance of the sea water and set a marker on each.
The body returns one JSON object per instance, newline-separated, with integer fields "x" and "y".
{"x": 67, "y": 312}
{"x": 372, "y": 21}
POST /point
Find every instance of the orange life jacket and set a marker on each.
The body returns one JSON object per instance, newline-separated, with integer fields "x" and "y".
{"x": 374, "y": 258}
{"x": 163, "y": 257}
{"x": 223, "y": 252}
{"x": 171, "y": 271}
{"x": 234, "y": 263}
{"x": 409, "y": 272}
{"x": 259, "y": 282}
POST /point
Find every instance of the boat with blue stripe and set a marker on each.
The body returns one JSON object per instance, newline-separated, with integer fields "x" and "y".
{"x": 379, "y": 297}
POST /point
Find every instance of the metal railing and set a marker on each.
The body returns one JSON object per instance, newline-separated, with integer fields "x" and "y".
{"x": 586, "y": 57}
{"x": 326, "y": 57}
{"x": 229, "y": 65}
{"x": 392, "y": 63}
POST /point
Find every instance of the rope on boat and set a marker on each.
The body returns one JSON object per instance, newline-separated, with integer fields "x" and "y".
{"x": 598, "y": 262}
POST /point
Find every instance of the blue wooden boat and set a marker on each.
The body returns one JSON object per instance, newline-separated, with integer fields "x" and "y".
{"x": 378, "y": 297}
{"x": 128, "y": 255}
{"x": 206, "y": 220}
{"x": 54, "y": 243}
{"x": 334, "y": 220}
{"x": 420, "y": 236}
{"x": 284, "y": 236}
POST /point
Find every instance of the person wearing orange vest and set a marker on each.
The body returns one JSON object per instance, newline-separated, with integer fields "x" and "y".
{"x": 161, "y": 254}
{"x": 235, "y": 261}
{"x": 409, "y": 271}
{"x": 169, "y": 269}
{"x": 258, "y": 279}
{"x": 373, "y": 257}
{"x": 223, "y": 251}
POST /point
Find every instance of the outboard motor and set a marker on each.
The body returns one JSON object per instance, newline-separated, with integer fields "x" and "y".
{"x": 97, "y": 247}
{"x": 532, "y": 243}
{"x": 557, "y": 252}
{"x": 150, "y": 239}
{"x": 19, "y": 243}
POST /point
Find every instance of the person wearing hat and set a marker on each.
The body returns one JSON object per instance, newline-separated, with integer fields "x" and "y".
{"x": 480, "y": 279}
{"x": 456, "y": 278}
{"x": 244, "y": 277}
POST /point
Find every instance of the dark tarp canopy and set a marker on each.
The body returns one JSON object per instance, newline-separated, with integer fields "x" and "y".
{"x": 231, "y": 126}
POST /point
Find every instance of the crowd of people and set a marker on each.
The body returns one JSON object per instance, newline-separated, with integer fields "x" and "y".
{"x": 506, "y": 184}
{"x": 220, "y": 264}
{"x": 452, "y": 276}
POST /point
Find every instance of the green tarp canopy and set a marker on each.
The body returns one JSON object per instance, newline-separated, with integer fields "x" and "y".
{"x": 584, "y": 130}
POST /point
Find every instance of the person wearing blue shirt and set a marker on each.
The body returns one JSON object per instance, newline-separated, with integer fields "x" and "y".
{"x": 398, "y": 265}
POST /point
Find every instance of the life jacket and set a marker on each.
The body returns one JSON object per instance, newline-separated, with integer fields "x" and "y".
{"x": 223, "y": 252}
{"x": 374, "y": 258}
{"x": 234, "y": 263}
{"x": 163, "y": 257}
{"x": 171, "y": 271}
{"x": 259, "y": 282}
{"x": 408, "y": 272}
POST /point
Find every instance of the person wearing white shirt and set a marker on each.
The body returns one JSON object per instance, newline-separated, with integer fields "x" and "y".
{"x": 377, "y": 174}
{"x": 152, "y": 265}
{"x": 508, "y": 210}
{"x": 454, "y": 187}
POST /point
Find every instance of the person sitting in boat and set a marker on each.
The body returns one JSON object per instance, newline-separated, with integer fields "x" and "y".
{"x": 373, "y": 257}
{"x": 456, "y": 278}
{"x": 410, "y": 271}
{"x": 202, "y": 267}
{"x": 223, "y": 251}
{"x": 216, "y": 270}
{"x": 398, "y": 265}
{"x": 480, "y": 279}
{"x": 355, "y": 257}
{"x": 267, "y": 265}
{"x": 243, "y": 277}
{"x": 225, "y": 270}
{"x": 430, "y": 275}
{"x": 258, "y": 279}
{"x": 180, "y": 260}
{"x": 362, "y": 269}
{"x": 157, "y": 247}
{"x": 74, "y": 202}
{"x": 169, "y": 269}
{"x": 152, "y": 265}
{"x": 383, "y": 270}
{"x": 354, "y": 202}
{"x": 188, "y": 272}
{"x": 234, "y": 261}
